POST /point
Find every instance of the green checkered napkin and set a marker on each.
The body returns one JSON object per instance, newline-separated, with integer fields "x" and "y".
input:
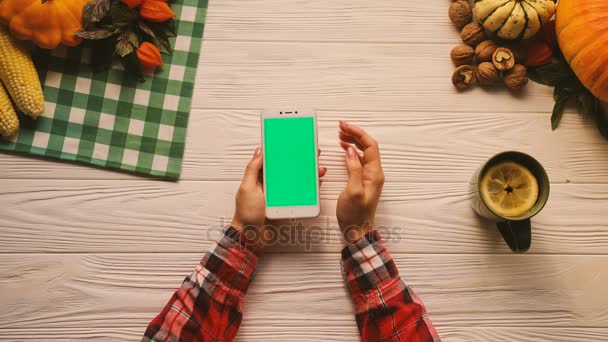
{"x": 110, "y": 120}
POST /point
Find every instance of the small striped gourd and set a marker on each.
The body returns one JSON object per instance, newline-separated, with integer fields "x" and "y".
{"x": 513, "y": 19}
{"x": 582, "y": 34}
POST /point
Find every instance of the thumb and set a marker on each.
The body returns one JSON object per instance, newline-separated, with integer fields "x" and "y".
{"x": 355, "y": 170}
{"x": 253, "y": 168}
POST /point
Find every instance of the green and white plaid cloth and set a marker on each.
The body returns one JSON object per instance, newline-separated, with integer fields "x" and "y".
{"x": 110, "y": 120}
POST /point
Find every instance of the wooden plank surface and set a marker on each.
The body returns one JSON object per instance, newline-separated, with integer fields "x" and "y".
{"x": 416, "y": 146}
{"x": 356, "y": 21}
{"x": 143, "y": 216}
{"x": 294, "y": 292}
{"x": 259, "y": 331}
{"x": 90, "y": 254}
{"x": 347, "y": 77}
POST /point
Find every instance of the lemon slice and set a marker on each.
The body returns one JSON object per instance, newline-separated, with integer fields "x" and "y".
{"x": 509, "y": 189}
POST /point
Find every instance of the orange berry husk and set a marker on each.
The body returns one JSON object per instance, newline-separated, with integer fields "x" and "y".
{"x": 539, "y": 53}
{"x": 156, "y": 11}
{"x": 549, "y": 34}
{"x": 131, "y": 3}
{"x": 149, "y": 56}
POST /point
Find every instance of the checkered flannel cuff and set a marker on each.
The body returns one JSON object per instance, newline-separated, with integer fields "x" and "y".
{"x": 366, "y": 264}
{"x": 228, "y": 268}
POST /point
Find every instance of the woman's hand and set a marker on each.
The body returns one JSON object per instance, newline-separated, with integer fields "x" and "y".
{"x": 358, "y": 201}
{"x": 250, "y": 214}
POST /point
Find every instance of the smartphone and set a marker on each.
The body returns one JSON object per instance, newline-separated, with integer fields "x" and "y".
{"x": 291, "y": 177}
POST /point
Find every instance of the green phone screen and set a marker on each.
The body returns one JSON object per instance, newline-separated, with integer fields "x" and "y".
{"x": 291, "y": 168}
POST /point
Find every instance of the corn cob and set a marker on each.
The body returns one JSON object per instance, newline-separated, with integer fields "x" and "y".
{"x": 9, "y": 124}
{"x": 19, "y": 75}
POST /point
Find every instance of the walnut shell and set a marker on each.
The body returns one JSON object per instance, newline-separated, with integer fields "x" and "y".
{"x": 462, "y": 54}
{"x": 473, "y": 34}
{"x": 503, "y": 59}
{"x": 460, "y": 13}
{"x": 485, "y": 50}
{"x": 463, "y": 77}
{"x": 486, "y": 73}
{"x": 516, "y": 78}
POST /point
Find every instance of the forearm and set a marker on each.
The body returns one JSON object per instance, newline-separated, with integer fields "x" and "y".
{"x": 209, "y": 304}
{"x": 386, "y": 309}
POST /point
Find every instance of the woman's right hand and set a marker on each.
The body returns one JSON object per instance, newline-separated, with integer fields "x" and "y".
{"x": 358, "y": 201}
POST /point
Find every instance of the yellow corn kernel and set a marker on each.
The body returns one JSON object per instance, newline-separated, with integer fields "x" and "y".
{"x": 9, "y": 124}
{"x": 19, "y": 75}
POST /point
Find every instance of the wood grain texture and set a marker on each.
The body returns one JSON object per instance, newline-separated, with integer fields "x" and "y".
{"x": 89, "y": 254}
{"x": 347, "y": 77}
{"x": 143, "y": 216}
{"x": 271, "y": 332}
{"x": 337, "y": 21}
{"x": 303, "y": 295}
{"x": 416, "y": 147}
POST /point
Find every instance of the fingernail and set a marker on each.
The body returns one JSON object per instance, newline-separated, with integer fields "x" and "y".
{"x": 351, "y": 152}
{"x": 343, "y": 123}
{"x": 258, "y": 152}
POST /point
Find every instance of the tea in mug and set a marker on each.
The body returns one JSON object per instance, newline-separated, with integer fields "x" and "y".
{"x": 509, "y": 189}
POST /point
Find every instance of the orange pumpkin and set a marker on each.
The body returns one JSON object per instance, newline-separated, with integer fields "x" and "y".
{"x": 582, "y": 33}
{"x": 47, "y": 24}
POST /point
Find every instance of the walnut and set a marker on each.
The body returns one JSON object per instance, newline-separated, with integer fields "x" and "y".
{"x": 462, "y": 54}
{"x": 484, "y": 50}
{"x": 503, "y": 59}
{"x": 516, "y": 78}
{"x": 486, "y": 73}
{"x": 460, "y": 13}
{"x": 463, "y": 77}
{"x": 473, "y": 34}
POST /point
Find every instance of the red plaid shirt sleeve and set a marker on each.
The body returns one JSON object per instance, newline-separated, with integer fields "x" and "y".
{"x": 386, "y": 309}
{"x": 209, "y": 304}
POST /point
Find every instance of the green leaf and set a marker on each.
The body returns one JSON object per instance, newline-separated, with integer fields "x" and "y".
{"x": 87, "y": 14}
{"x": 163, "y": 44}
{"x": 100, "y": 10}
{"x": 133, "y": 39}
{"x": 567, "y": 88}
{"x": 146, "y": 29}
{"x": 166, "y": 28}
{"x": 558, "y": 111}
{"x": 590, "y": 106}
{"x": 170, "y": 28}
{"x": 584, "y": 103}
{"x": 551, "y": 74}
{"x": 600, "y": 117}
{"x": 123, "y": 46}
{"x": 603, "y": 122}
{"x": 93, "y": 34}
{"x": 102, "y": 51}
{"x": 122, "y": 15}
{"x": 131, "y": 63}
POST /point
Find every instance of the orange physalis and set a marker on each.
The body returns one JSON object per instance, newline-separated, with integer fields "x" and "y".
{"x": 156, "y": 11}
{"x": 539, "y": 53}
{"x": 149, "y": 55}
{"x": 131, "y": 3}
{"x": 540, "y": 47}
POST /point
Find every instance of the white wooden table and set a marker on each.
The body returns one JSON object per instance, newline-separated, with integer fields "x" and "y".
{"x": 93, "y": 254}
